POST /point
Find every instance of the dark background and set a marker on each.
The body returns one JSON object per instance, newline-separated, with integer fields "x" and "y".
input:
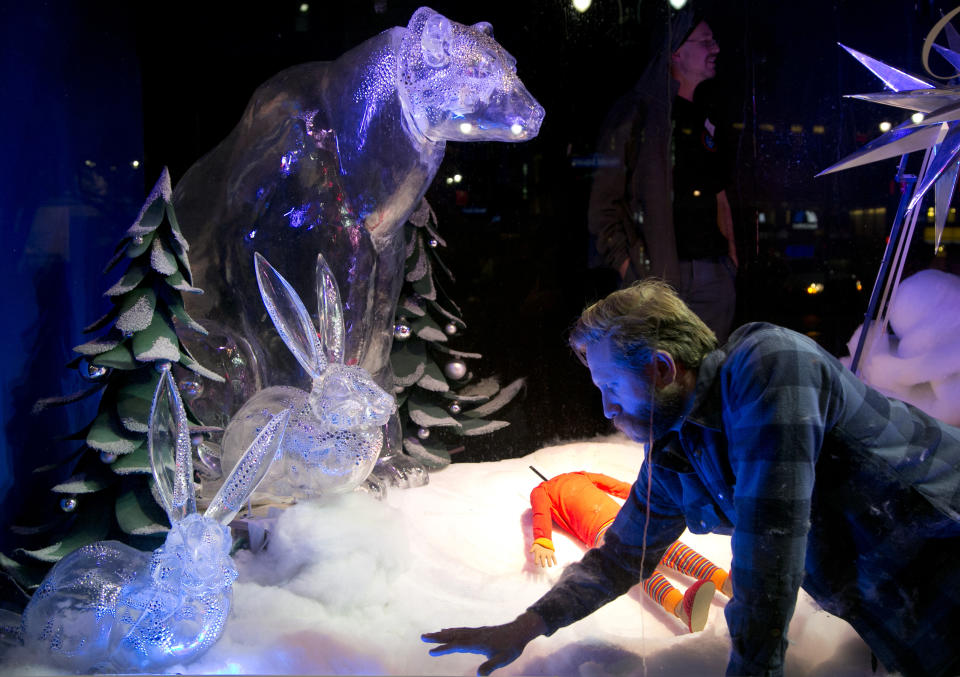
{"x": 89, "y": 88}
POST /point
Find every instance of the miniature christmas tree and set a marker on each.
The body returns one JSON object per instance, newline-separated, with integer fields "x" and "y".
{"x": 110, "y": 493}
{"x": 438, "y": 405}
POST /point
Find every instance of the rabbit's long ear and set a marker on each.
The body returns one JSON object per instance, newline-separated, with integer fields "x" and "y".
{"x": 290, "y": 317}
{"x": 330, "y": 312}
{"x": 249, "y": 470}
{"x": 168, "y": 442}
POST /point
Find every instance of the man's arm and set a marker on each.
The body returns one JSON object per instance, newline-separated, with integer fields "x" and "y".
{"x": 725, "y": 224}
{"x": 609, "y": 216}
{"x": 603, "y": 574}
{"x": 776, "y": 397}
{"x": 631, "y": 550}
{"x": 501, "y": 644}
{"x": 583, "y": 588}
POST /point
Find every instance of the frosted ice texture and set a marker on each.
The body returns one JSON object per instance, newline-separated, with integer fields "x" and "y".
{"x": 336, "y": 430}
{"x": 316, "y": 460}
{"x": 344, "y": 397}
{"x": 107, "y": 607}
{"x": 331, "y": 158}
{"x": 225, "y": 353}
{"x": 250, "y": 469}
{"x": 168, "y": 429}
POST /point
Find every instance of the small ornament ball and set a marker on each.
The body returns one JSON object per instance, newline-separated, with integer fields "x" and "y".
{"x": 451, "y": 328}
{"x": 95, "y": 371}
{"x": 107, "y": 457}
{"x": 401, "y": 331}
{"x": 455, "y": 408}
{"x": 196, "y": 440}
{"x": 423, "y": 433}
{"x": 456, "y": 369}
{"x": 68, "y": 504}
{"x": 191, "y": 389}
{"x": 432, "y": 242}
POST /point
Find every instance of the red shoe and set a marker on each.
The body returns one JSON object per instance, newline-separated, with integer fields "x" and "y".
{"x": 696, "y": 604}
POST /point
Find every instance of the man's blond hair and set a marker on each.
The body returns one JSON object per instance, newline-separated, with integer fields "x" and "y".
{"x": 641, "y": 319}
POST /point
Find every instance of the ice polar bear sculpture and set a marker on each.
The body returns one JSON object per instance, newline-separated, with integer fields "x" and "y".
{"x": 107, "y": 607}
{"x": 332, "y": 158}
{"x": 920, "y": 362}
{"x": 336, "y": 430}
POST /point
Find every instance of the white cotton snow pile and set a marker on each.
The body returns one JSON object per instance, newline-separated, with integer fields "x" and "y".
{"x": 919, "y": 362}
{"x": 346, "y": 588}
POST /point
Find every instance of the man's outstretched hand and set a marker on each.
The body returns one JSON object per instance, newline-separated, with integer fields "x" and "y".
{"x": 501, "y": 644}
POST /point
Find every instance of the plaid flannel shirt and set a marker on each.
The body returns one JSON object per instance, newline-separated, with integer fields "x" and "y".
{"x": 822, "y": 482}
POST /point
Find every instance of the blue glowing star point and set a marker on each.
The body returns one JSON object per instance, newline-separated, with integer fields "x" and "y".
{"x": 935, "y": 127}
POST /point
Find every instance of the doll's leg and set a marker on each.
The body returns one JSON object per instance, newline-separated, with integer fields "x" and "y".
{"x": 691, "y": 607}
{"x": 684, "y": 559}
{"x": 661, "y": 592}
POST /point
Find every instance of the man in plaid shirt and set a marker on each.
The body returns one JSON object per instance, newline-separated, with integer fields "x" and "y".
{"x": 821, "y": 481}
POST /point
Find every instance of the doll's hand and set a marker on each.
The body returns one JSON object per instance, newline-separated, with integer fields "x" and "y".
{"x": 544, "y": 557}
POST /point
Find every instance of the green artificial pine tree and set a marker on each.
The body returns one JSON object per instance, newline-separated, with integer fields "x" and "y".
{"x": 110, "y": 493}
{"x": 438, "y": 397}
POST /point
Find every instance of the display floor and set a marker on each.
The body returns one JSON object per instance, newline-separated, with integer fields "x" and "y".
{"x": 347, "y": 587}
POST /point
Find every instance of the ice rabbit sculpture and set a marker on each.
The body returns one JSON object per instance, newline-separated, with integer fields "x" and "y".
{"x": 332, "y": 158}
{"x": 336, "y": 430}
{"x": 107, "y": 607}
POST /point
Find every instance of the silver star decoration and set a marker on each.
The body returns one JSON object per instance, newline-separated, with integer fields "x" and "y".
{"x": 938, "y": 130}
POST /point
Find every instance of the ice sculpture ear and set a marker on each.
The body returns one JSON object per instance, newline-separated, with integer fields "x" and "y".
{"x": 249, "y": 470}
{"x": 436, "y": 39}
{"x": 329, "y": 312}
{"x": 484, "y": 27}
{"x": 290, "y": 317}
{"x": 168, "y": 443}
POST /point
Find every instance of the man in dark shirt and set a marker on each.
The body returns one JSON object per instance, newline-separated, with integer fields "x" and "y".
{"x": 821, "y": 481}
{"x": 658, "y": 205}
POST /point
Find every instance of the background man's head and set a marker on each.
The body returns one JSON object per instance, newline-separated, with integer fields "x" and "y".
{"x": 696, "y": 59}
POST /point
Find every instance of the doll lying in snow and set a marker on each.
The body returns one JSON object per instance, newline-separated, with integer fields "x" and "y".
{"x": 580, "y": 503}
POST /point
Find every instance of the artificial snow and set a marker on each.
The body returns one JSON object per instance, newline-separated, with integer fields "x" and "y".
{"x": 162, "y": 260}
{"x": 163, "y": 348}
{"x": 140, "y": 313}
{"x": 347, "y": 587}
{"x": 162, "y": 190}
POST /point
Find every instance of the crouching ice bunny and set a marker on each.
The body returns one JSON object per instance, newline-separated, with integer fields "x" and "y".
{"x": 108, "y": 607}
{"x": 335, "y": 432}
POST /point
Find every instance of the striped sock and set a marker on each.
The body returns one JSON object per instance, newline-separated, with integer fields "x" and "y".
{"x": 684, "y": 559}
{"x": 661, "y": 592}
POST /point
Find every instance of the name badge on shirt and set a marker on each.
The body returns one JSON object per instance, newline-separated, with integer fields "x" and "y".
{"x": 709, "y": 130}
